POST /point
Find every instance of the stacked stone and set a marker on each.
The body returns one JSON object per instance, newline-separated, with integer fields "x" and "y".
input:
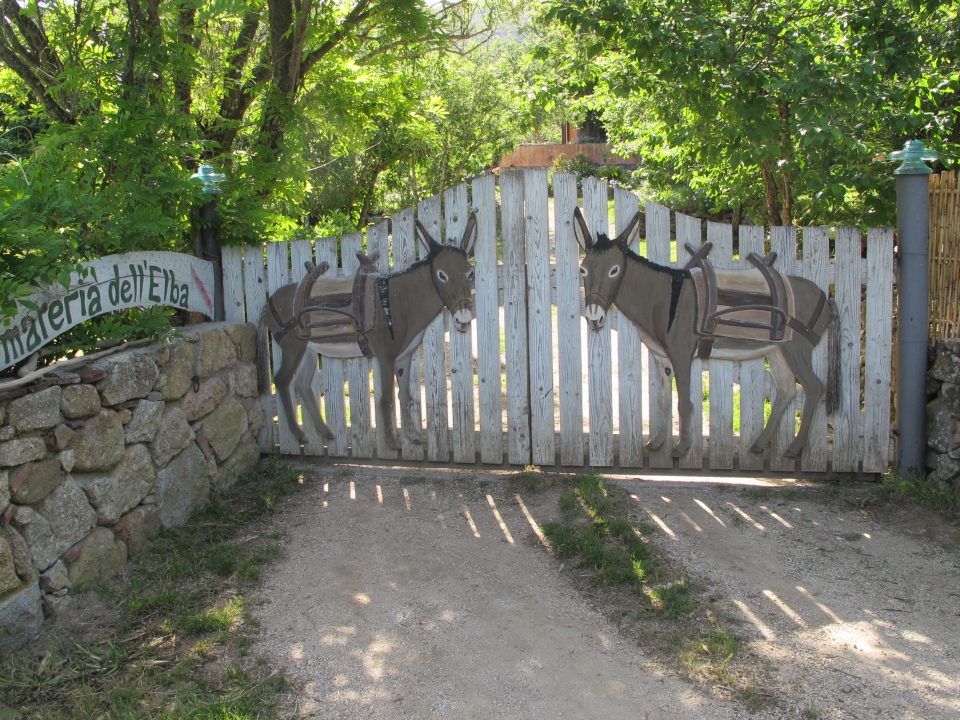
{"x": 943, "y": 417}
{"x": 89, "y": 471}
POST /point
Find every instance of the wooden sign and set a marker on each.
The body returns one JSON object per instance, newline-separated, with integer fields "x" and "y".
{"x": 114, "y": 282}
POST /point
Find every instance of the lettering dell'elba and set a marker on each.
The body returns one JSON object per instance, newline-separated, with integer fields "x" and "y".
{"x": 116, "y": 282}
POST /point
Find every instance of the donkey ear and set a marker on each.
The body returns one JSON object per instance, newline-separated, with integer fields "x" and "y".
{"x": 469, "y": 234}
{"x": 630, "y": 231}
{"x": 425, "y": 238}
{"x": 580, "y": 230}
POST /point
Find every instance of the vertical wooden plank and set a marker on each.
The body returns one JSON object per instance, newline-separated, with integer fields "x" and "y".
{"x": 630, "y": 365}
{"x": 783, "y": 240}
{"x": 463, "y": 432}
{"x": 434, "y": 355}
{"x": 599, "y": 358}
{"x": 569, "y": 298}
{"x": 816, "y": 261}
{"x": 879, "y": 348}
{"x": 332, "y": 370}
{"x": 278, "y": 275}
{"x": 255, "y": 294}
{"x": 515, "y": 318}
{"x": 301, "y": 251}
{"x": 721, "y": 448}
{"x": 752, "y": 375}
{"x": 539, "y": 325}
{"x": 404, "y": 255}
{"x": 488, "y": 321}
{"x": 357, "y": 369}
{"x": 658, "y": 250}
{"x": 690, "y": 231}
{"x": 848, "y": 420}
{"x": 377, "y": 244}
{"x": 232, "y": 263}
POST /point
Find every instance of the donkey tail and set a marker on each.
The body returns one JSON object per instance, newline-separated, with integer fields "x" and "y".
{"x": 263, "y": 353}
{"x": 833, "y": 360}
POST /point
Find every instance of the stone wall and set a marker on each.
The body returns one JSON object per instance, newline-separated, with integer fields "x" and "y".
{"x": 95, "y": 459}
{"x": 943, "y": 417}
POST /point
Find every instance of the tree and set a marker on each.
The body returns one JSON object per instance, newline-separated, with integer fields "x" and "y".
{"x": 781, "y": 106}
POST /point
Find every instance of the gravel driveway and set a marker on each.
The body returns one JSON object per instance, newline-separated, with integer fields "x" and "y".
{"x": 419, "y": 593}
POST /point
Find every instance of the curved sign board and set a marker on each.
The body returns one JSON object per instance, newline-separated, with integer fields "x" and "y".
{"x": 114, "y": 282}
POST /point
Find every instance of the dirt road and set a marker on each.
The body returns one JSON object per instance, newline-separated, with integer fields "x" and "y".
{"x": 409, "y": 593}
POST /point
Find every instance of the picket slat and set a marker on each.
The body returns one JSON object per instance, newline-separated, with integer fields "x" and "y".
{"x": 689, "y": 231}
{"x": 629, "y": 359}
{"x": 539, "y": 325}
{"x": 377, "y": 244}
{"x": 599, "y": 357}
{"x": 569, "y": 298}
{"x": 301, "y": 251}
{"x": 721, "y": 446}
{"x": 488, "y": 321}
{"x": 515, "y": 319}
{"x": 463, "y": 435}
{"x": 434, "y": 354}
{"x": 879, "y": 351}
{"x": 333, "y": 370}
{"x": 255, "y": 296}
{"x": 661, "y": 391}
{"x": 783, "y": 240}
{"x": 848, "y": 421}
{"x": 816, "y": 259}
{"x": 278, "y": 275}
{"x": 357, "y": 369}
{"x": 751, "y": 372}
{"x": 232, "y": 260}
{"x": 404, "y": 255}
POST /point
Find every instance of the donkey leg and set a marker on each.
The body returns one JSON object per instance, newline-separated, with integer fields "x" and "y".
{"x": 411, "y": 428}
{"x": 385, "y": 403}
{"x": 685, "y": 406}
{"x": 290, "y": 356}
{"x": 799, "y": 354}
{"x": 664, "y": 370}
{"x": 785, "y": 383}
{"x": 303, "y": 385}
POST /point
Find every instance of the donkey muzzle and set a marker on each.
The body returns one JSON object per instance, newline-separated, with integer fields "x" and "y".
{"x": 462, "y": 317}
{"x": 595, "y": 315}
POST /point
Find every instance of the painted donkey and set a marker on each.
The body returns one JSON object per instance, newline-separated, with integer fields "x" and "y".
{"x": 676, "y": 311}
{"x": 324, "y": 315}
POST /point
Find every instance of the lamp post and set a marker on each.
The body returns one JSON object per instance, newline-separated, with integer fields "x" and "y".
{"x": 913, "y": 314}
{"x": 209, "y": 248}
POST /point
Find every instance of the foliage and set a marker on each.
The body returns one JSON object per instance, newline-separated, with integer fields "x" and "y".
{"x": 786, "y": 109}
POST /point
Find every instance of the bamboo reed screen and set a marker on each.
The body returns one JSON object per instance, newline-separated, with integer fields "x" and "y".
{"x": 944, "y": 256}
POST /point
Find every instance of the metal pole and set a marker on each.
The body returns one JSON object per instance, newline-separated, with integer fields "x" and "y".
{"x": 209, "y": 219}
{"x": 913, "y": 316}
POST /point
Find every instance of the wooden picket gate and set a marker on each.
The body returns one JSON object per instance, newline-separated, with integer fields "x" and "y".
{"x": 530, "y": 385}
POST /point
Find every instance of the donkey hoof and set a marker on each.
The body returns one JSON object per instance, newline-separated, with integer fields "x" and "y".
{"x": 653, "y": 445}
{"x": 679, "y": 450}
{"x": 756, "y": 448}
{"x": 793, "y": 452}
{"x": 328, "y": 434}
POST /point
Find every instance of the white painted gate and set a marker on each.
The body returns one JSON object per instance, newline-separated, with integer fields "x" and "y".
{"x": 530, "y": 385}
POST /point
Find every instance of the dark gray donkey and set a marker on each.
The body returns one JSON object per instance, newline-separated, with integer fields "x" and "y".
{"x": 383, "y": 317}
{"x": 698, "y": 311}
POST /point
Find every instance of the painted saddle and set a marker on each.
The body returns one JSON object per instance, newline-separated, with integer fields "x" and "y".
{"x": 337, "y": 310}
{"x": 752, "y": 304}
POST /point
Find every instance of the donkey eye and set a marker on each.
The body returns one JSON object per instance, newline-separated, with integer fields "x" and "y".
{"x": 442, "y": 276}
{"x": 470, "y": 274}
{"x": 583, "y": 271}
{"x": 614, "y": 271}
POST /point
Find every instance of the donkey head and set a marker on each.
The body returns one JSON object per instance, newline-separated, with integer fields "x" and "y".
{"x": 602, "y": 268}
{"x": 452, "y": 273}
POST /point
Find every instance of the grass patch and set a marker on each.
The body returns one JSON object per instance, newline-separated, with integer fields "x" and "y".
{"x": 178, "y": 628}
{"x": 897, "y": 487}
{"x": 617, "y": 564}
